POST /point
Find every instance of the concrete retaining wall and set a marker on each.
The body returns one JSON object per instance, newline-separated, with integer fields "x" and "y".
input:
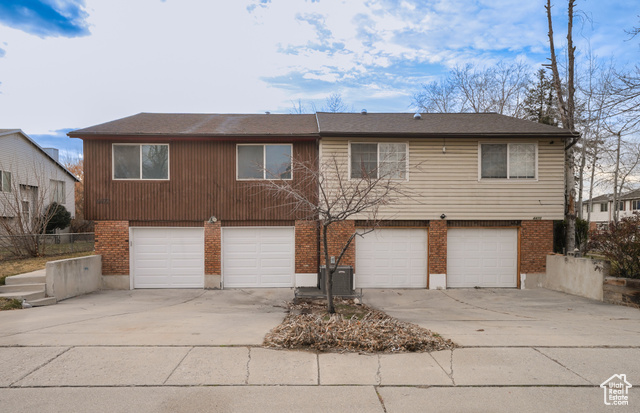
{"x": 73, "y": 277}
{"x": 577, "y": 276}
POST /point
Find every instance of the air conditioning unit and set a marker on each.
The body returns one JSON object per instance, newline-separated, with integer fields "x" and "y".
{"x": 342, "y": 280}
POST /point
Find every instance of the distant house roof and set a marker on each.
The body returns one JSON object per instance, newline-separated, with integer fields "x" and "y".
{"x": 320, "y": 124}
{"x": 191, "y": 124}
{"x": 433, "y": 124}
{"x": 624, "y": 197}
{"x": 4, "y": 132}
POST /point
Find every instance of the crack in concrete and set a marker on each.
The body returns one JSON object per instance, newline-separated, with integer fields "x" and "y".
{"x": 451, "y": 368}
{"x": 380, "y": 399}
{"x": 448, "y": 373}
{"x": 176, "y": 367}
{"x": 562, "y": 365}
{"x": 486, "y": 309}
{"x": 318, "y": 367}
{"x": 246, "y": 380}
{"x": 40, "y": 366}
{"x": 378, "y": 373}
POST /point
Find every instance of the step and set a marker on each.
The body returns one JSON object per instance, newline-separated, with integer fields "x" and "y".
{"x": 41, "y": 302}
{"x": 26, "y": 295}
{"x": 22, "y": 287}
{"x": 29, "y": 278}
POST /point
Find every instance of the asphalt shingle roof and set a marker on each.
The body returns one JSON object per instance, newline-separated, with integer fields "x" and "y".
{"x": 429, "y": 124}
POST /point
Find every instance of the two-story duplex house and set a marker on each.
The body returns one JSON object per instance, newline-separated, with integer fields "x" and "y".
{"x": 177, "y": 198}
{"x": 31, "y": 177}
{"x": 602, "y": 208}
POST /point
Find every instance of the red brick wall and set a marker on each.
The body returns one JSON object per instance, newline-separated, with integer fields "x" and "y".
{"x": 212, "y": 248}
{"x": 438, "y": 247}
{"x": 536, "y": 241}
{"x": 112, "y": 242}
{"x": 338, "y": 234}
{"x": 306, "y": 247}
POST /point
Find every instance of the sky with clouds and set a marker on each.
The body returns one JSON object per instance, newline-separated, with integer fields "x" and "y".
{"x": 68, "y": 64}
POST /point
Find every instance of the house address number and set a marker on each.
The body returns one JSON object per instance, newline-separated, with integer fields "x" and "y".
{"x": 537, "y": 218}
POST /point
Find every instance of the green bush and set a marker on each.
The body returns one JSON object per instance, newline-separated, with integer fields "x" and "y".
{"x": 620, "y": 244}
{"x": 58, "y": 217}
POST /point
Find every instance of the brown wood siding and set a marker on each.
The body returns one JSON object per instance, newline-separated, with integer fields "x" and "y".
{"x": 202, "y": 184}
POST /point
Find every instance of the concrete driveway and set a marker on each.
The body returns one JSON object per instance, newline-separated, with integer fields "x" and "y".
{"x": 149, "y": 317}
{"x": 508, "y": 317}
{"x": 195, "y": 350}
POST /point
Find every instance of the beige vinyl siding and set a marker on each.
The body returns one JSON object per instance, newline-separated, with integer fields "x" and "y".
{"x": 448, "y": 183}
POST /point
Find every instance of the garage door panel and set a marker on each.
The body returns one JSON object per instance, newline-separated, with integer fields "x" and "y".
{"x": 258, "y": 257}
{"x": 482, "y": 257}
{"x": 168, "y": 257}
{"x": 392, "y": 258}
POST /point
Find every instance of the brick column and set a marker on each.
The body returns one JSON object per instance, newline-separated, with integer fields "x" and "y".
{"x": 306, "y": 247}
{"x": 112, "y": 242}
{"x": 437, "y": 248}
{"x": 338, "y": 234}
{"x": 212, "y": 248}
{"x": 536, "y": 242}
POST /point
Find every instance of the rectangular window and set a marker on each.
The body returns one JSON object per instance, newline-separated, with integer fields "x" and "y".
{"x": 384, "y": 160}
{"x": 508, "y": 161}
{"x": 604, "y": 207}
{"x": 263, "y": 161}
{"x": 57, "y": 192}
{"x": 5, "y": 181}
{"x": 635, "y": 204}
{"x": 621, "y": 206}
{"x": 141, "y": 161}
{"x": 26, "y": 212}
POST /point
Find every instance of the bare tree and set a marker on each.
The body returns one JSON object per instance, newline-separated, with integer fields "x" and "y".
{"x": 297, "y": 108}
{"x": 334, "y": 104}
{"x": 338, "y": 197}
{"x": 566, "y": 107}
{"x": 501, "y": 88}
{"x": 26, "y": 209}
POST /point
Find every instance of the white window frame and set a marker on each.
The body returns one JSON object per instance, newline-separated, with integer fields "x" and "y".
{"x": 62, "y": 196}
{"x": 635, "y": 205}
{"x": 406, "y": 167}
{"x": 535, "y": 172}
{"x": 604, "y": 207}
{"x": 264, "y": 162}
{"x": 2, "y": 188}
{"x": 113, "y": 162}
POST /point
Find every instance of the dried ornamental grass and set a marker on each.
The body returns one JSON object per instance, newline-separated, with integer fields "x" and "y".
{"x": 374, "y": 331}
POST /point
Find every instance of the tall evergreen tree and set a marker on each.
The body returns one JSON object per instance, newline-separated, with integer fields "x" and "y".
{"x": 539, "y": 104}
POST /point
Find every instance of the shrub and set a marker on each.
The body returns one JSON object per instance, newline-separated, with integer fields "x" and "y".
{"x": 56, "y": 217}
{"x": 560, "y": 229}
{"x": 620, "y": 244}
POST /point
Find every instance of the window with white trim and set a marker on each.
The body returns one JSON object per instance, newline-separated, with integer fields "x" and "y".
{"x": 269, "y": 161}
{"x": 141, "y": 161}
{"x": 620, "y": 205}
{"x": 57, "y": 192}
{"x": 5, "y": 181}
{"x": 385, "y": 160}
{"x": 635, "y": 204}
{"x": 508, "y": 161}
{"x": 604, "y": 207}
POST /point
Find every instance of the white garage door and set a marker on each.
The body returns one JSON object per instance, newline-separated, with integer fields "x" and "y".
{"x": 167, "y": 257}
{"x": 482, "y": 257}
{"x": 392, "y": 258}
{"x": 258, "y": 257}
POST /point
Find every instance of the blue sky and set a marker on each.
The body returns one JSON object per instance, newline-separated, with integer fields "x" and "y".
{"x": 68, "y": 64}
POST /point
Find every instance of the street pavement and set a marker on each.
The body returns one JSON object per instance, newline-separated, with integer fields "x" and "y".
{"x": 197, "y": 351}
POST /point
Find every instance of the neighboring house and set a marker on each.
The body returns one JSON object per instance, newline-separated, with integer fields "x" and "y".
{"x": 178, "y": 201}
{"x": 31, "y": 178}
{"x": 602, "y": 208}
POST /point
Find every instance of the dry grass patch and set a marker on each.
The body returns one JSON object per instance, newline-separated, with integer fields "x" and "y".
{"x": 20, "y": 266}
{"x": 355, "y": 327}
{"x": 9, "y": 304}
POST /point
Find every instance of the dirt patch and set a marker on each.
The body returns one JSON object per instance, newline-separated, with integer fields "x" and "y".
{"x": 355, "y": 327}
{"x": 20, "y": 266}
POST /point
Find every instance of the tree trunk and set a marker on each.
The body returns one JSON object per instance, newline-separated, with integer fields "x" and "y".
{"x": 615, "y": 179}
{"x": 570, "y": 214}
{"x": 329, "y": 270}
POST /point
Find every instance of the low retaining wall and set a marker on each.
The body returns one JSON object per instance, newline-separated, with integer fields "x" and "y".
{"x": 73, "y": 277}
{"x": 577, "y": 276}
{"x": 622, "y": 291}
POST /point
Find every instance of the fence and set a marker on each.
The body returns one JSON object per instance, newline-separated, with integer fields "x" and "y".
{"x": 20, "y": 246}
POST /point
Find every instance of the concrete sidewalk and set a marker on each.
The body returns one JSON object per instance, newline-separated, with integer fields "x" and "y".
{"x": 246, "y": 378}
